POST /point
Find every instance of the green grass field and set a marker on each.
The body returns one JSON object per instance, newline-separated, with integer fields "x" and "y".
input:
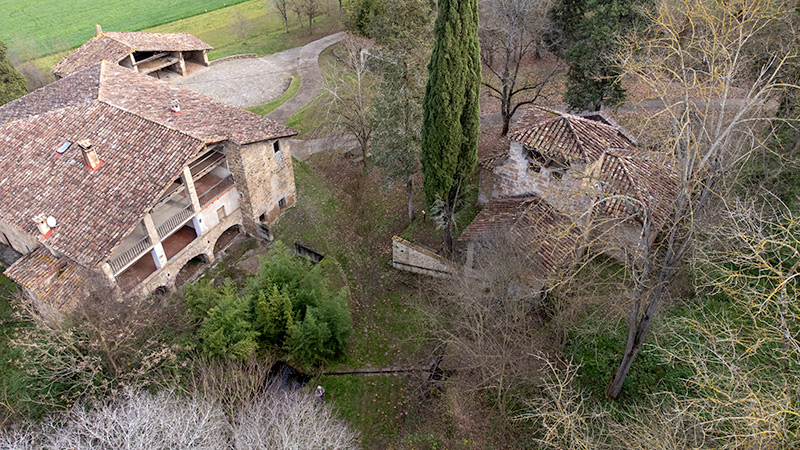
{"x": 266, "y": 108}
{"x": 52, "y": 25}
{"x": 265, "y": 33}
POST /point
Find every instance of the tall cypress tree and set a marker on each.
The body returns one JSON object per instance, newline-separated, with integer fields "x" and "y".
{"x": 12, "y": 83}
{"x": 451, "y": 114}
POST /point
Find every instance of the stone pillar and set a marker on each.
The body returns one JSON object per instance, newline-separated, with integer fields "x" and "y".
{"x": 470, "y": 255}
{"x": 159, "y": 257}
{"x": 182, "y": 64}
{"x": 108, "y": 272}
{"x": 191, "y": 192}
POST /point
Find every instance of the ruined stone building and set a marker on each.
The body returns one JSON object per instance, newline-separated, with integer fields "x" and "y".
{"x": 583, "y": 170}
{"x": 112, "y": 174}
{"x": 147, "y": 53}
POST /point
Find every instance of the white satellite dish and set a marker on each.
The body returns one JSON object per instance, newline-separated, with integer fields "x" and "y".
{"x": 51, "y": 222}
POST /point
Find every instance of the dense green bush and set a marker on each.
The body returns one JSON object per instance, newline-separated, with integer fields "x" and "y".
{"x": 289, "y": 307}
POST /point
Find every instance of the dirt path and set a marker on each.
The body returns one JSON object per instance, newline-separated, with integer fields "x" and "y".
{"x": 249, "y": 82}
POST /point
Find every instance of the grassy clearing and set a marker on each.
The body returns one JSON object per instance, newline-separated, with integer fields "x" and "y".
{"x": 72, "y": 22}
{"x": 263, "y": 27}
{"x": 11, "y": 381}
{"x": 344, "y": 213}
{"x": 263, "y": 110}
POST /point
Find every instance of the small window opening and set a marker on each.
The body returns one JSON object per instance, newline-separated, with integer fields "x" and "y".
{"x": 262, "y": 217}
{"x": 276, "y": 146}
{"x": 282, "y": 203}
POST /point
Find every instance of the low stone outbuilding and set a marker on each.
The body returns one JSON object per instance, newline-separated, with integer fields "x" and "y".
{"x": 588, "y": 169}
{"x": 146, "y": 53}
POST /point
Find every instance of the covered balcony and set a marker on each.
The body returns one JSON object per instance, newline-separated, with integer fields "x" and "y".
{"x": 136, "y": 244}
{"x": 211, "y": 176}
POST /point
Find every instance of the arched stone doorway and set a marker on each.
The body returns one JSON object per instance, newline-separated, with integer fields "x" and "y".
{"x": 191, "y": 268}
{"x": 227, "y": 236}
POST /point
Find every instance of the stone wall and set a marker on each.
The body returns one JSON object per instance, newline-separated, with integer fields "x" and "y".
{"x": 263, "y": 177}
{"x": 419, "y": 259}
{"x": 20, "y": 242}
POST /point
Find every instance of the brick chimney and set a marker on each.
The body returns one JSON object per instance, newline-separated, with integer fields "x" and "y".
{"x": 41, "y": 223}
{"x": 89, "y": 155}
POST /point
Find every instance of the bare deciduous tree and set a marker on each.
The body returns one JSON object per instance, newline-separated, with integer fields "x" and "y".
{"x": 310, "y": 9}
{"x": 511, "y": 34}
{"x": 283, "y": 7}
{"x": 240, "y": 26}
{"x": 351, "y": 88}
{"x": 695, "y": 59}
{"x": 491, "y": 318}
{"x": 141, "y": 420}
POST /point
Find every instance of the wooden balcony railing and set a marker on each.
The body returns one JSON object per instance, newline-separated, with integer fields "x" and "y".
{"x": 214, "y": 191}
{"x": 119, "y": 262}
{"x": 173, "y": 222}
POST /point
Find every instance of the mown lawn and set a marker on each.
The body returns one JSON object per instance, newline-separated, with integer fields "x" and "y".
{"x": 53, "y": 23}
{"x": 266, "y": 108}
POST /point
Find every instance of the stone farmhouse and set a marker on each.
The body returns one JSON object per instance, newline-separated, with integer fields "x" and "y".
{"x": 583, "y": 170}
{"x": 117, "y": 177}
{"x": 147, "y": 53}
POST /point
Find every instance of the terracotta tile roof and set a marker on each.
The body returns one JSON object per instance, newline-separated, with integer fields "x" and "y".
{"x": 570, "y": 138}
{"x": 114, "y": 46}
{"x": 148, "y": 42}
{"x": 496, "y": 217}
{"x": 78, "y": 89}
{"x": 548, "y": 238}
{"x": 53, "y": 280}
{"x": 142, "y": 144}
{"x": 95, "y": 210}
{"x": 201, "y": 117}
{"x": 632, "y": 179}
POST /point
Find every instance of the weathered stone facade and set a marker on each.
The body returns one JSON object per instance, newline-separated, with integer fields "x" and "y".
{"x": 265, "y": 178}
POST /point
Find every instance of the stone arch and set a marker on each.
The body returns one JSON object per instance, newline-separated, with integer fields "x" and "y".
{"x": 226, "y": 237}
{"x": 192, "y": 267}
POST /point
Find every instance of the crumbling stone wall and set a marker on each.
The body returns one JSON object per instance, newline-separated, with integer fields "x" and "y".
{"x": 416, "y": 258}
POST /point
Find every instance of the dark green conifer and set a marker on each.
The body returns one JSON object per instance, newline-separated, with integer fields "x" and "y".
{"x": 12, "y": 84}
{"x": 451, "y": 117}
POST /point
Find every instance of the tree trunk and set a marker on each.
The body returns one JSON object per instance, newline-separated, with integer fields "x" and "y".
{"x": 448, "y": 237}
{"x": 506, "y": 123}
{"x": 286, "y": 23}
{"x": 310, "y": 25}
{"x": 632, "y": 349}
{"x": 410, "y": 189}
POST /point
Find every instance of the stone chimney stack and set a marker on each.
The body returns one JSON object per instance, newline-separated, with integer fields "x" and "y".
{"x": 41, "y": 222}
{"x": 89, "y": 155}
{"x": 99, "y": 29}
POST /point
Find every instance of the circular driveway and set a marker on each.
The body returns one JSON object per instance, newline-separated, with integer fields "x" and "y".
{"x": 246, "y": 82}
